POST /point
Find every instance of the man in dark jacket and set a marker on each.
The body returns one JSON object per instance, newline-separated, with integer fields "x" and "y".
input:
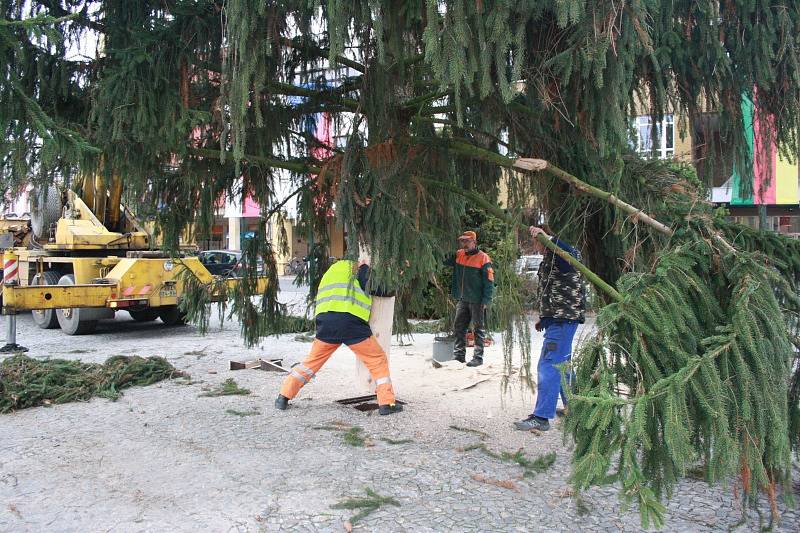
{"x": 562, "y": 304}
{"x": 473, "y": 288}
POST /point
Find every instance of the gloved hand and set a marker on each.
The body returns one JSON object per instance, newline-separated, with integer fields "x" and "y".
{"x": 534, "y": 230}
{"x": 538, "y": 325}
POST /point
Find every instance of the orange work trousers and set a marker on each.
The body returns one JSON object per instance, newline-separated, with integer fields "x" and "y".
{"x": 368, "y": 351}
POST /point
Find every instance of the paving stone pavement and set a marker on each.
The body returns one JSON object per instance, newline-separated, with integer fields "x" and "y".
{"x": 164, "y": 459}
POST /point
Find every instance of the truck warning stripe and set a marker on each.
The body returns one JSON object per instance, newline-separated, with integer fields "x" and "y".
{"x": 10, "y": 270}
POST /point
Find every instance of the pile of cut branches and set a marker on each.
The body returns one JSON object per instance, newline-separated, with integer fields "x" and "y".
{"x": 27, "y": 382}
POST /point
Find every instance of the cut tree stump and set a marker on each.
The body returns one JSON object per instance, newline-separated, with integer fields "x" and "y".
{"x": 380, "y": 321}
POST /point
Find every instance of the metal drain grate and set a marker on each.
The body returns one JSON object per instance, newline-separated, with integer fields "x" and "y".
{"x": 364, "y": 403}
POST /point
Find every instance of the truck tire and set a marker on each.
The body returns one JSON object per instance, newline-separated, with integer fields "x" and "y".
{"x": 45, "y": 210}
{"x": 73, "y": 321}
{"x": 144, "y": 315}
{"x": 172, "y": 316}
{"x": 45, "y": 318}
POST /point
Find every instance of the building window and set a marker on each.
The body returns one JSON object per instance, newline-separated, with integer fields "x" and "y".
{"x": 664, "y": 139}
{"x": 340, "y": 141}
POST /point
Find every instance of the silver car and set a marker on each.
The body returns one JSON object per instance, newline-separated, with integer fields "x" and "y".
{"x": 528, "y": 265}
{"x": 527, "y": 268}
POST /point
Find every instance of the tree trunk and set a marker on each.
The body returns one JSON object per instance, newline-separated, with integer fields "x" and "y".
{"x": 381, "y": 319}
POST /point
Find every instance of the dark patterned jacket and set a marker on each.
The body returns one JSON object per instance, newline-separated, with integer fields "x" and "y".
{"x": 561, "y": 292}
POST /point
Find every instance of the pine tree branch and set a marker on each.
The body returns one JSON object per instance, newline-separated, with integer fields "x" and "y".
{"x": 307, "y": 46}
{"x": 516, "y": 107}
{"x": 413, "y": 59}
{"x": 297, "y": 165}
{"x": 62, "y": 14}
{"x": 638, "y": 215}
{"x": 46, "y": 126}
{"x": 441, "y": 109}
{"x": 536, "y": 165}
{"x": 540, "y": 165}
{"x": 446, "y": 122}
{"x": 38, "y": 20}
{"x": 425, "y": 98}
{"x": 476, "y": 152}
{"x": 285, "y": 201}
{"x": 292, "y": 90}
{"x": 314, "y": 142}
{"x": 475, "y": 131}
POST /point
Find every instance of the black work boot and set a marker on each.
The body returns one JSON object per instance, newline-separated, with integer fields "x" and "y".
{"x": 459, "y": 358}
{"x": 533, "y": 422}
{"x": 390, "y": 408}
{"x": 476, "y": 361}
{"x": 281, "y": 402}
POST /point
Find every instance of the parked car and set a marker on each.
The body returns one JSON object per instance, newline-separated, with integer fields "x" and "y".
{"x": 528, "y": 269}
{"x": 225, "y": 262}
{"x": 528, "y": 265}
{"x": 220, "y": 262}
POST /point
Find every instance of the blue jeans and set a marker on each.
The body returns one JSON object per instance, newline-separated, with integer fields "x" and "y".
{"x": 557, "y": 349}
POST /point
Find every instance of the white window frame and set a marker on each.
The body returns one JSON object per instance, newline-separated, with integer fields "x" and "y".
{"x": 665, "y": 139}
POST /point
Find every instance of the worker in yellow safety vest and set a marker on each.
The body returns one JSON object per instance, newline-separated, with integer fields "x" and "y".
{"x": 342, "y": 311}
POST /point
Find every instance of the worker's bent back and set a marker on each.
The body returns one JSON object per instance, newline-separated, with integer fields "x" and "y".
{"x": 339, "y": 291}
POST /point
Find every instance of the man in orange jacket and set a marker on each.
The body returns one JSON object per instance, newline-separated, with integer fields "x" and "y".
{"x": 342, "y": 310}
{"x": 473, "y": 289}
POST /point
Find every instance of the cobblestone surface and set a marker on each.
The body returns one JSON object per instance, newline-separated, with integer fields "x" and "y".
{"x": 163, "y": 459}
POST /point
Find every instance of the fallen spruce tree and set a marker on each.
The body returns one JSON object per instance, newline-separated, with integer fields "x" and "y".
{"x": 694, "y": 365}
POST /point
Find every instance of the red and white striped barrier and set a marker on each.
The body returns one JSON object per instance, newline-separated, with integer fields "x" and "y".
{"x": 10, "y": 268}
{"x": 11, "y": 276}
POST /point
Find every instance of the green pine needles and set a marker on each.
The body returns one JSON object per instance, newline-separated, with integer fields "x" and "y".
{"x": 365, "y": 505}
{"x": 26, "y": 382}
{"x": 431, "y": 102}
{"x": 691, "y": 368}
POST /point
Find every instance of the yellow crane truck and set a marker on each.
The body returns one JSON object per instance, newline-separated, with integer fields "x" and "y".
{"x": 88, "y": 258}
{"x": 14, "y": 233}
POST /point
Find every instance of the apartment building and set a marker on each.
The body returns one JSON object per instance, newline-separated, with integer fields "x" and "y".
{"x": 774, "y": 202}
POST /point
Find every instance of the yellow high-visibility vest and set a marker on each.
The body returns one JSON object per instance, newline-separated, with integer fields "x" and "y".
{"x": 339, "y": 291}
